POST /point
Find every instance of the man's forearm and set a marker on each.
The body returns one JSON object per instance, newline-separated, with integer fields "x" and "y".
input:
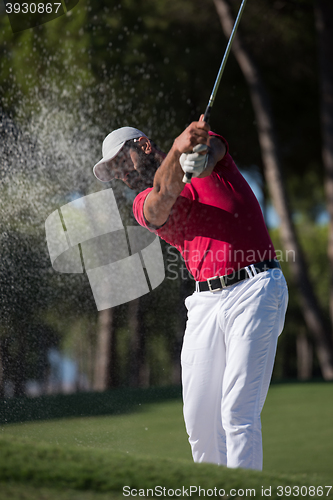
{"x": 168, "y": 182}
{"x": 167, "y": 187}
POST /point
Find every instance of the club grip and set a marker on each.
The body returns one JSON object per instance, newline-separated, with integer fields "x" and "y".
{"x": 207, "y": 114}
{"x": 188, "y": 176}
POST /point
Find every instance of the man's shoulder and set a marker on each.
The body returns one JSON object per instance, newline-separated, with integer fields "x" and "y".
{"x": 142, "y": 195}
{"x": 219, "y": 136}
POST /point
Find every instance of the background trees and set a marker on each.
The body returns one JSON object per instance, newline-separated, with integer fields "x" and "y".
{"x": 151, "y": 64}
{"x": 271, "y": 158}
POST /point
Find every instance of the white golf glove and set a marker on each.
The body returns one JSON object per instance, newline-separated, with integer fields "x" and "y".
{"x": 195, "y": 163}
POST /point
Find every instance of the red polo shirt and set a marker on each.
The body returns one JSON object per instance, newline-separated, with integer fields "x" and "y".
{"x": 216, "y": 223}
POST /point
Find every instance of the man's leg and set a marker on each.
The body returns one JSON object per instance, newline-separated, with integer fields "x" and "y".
{"x": 203, "y": 362}
{"x": 254, "y": 319}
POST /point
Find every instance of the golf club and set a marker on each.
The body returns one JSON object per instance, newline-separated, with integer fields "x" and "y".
{"x": 188, "y": 176}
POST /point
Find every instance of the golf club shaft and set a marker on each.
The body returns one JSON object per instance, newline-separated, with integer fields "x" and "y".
{"x": 188, "y": 176}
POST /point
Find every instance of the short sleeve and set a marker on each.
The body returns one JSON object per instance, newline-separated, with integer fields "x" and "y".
{"x": 138, "y": 208}
{"x": 173, "y": 231}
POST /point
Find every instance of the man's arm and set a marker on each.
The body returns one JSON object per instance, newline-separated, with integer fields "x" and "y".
{"x": 168, "y": 182}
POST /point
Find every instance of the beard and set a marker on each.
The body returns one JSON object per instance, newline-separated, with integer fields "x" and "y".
{"x": 143, "y": 175}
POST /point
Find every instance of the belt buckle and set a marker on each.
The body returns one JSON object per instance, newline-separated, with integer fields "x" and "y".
{"x": 223, "y": 285}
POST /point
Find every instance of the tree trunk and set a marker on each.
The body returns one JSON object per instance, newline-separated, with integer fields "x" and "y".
{"x": 324, "y": 26}
{"x": 20, "y": 365}
{"x": 138, "y": 367}
{"x": 304, "y": 356}
{"x": 272, "y": 165}
{"x": 104, "y": 342}
{"x": 186, "y": 287}
{"x": 2, "y": 378}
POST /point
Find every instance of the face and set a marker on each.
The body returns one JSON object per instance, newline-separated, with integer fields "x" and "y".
{"x": 135, "y": 168}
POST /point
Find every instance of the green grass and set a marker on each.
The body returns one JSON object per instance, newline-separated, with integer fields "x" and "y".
{"x": 64, "y": 468}
{"x": 297, "y": 424}
{"x": 156, "y": 430}
{"x": 113, "y": 402}
{"x": 24, "y": 491}
{"x": 149, "y": 446}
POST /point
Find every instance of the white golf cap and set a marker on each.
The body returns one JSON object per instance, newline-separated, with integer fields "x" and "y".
{"x": 112, "y": 144}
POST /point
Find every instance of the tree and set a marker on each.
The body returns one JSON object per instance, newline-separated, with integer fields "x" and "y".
{"x": 71, "y": 81}
{"x": 28, "y": 193}
{"x": 105, "y": 341}
{"x": 324, "y": 25}
{"x": 2, "y": 380}
{"x": 138, "y": 368}
{"x": 267, "y": 135}
{"x": 24, "y": 292}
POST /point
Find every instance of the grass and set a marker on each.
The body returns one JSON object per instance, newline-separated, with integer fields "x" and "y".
{"x": 60, "y": 467}
{"x": 17, "y": 491}
{"x": 155, "y": 430}
{"x": 114, "y": 402}
{"x": 149, "y": 446}
{"x": 297, "y": 423}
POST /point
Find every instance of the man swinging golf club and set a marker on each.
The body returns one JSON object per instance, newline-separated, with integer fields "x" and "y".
{"x": 238, "y": 308}
{"x": 237, "y": 311}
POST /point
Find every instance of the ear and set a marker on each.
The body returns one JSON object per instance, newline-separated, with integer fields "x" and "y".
{"x": 145, "y": 145}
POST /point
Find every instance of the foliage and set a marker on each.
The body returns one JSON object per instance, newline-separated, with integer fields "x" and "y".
{"x": 112, "y": 402}
{"x": 152, "y": 64}
{"x": 107, "y": 55}
{"x": 34, "y": 174}
{"x": 314, "y": 242}
{"x": 281, "y": 37}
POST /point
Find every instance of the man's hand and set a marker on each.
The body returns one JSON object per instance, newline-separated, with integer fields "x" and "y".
{"x": 196, "y": 162}
{"x": 195, "y": 133}
{"x": 168, "y": 183}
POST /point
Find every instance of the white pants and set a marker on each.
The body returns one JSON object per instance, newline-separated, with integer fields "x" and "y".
{"x": 227, "y": 361}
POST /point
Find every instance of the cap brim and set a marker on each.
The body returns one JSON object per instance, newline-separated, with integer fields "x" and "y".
{"x": 102, "y": 173}
{"x": 101, "y": 170}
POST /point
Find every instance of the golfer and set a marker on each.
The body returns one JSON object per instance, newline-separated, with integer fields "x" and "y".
{"x": 237, "y": 310}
